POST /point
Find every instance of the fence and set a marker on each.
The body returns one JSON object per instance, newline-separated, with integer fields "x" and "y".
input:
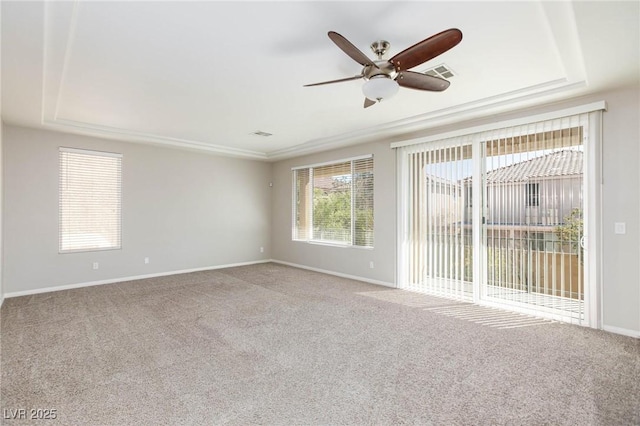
{"x": 522, "y": 269}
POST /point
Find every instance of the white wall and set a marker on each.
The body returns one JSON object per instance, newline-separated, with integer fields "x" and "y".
{"x": 620, "y": 203}
{"x": 344, "y": 260}
{"x": 183, "y": 210}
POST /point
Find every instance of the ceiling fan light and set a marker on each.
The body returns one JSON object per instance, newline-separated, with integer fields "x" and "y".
{"x": 380, "y": 87}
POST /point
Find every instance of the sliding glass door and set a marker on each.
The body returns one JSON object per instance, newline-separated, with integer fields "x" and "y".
{"x": 500, "y": 217}
{"x": 533, "y": 216}
{"x": 438, "y": 244}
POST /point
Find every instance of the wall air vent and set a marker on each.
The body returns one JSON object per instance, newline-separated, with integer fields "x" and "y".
{"x": 261, "y": 133}
{"x": 442, "y": 71}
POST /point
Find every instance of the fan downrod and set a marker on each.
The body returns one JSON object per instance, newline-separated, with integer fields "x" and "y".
{"x": 380, "y": 47}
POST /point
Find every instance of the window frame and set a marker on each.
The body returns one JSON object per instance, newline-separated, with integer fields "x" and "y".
{"x": 532, "y": 194}
{"x": 307, "y": 234}
{"x": 119, "y": 176}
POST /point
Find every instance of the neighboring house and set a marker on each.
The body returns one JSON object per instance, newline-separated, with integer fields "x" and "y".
{"x": 525, "y": 203}
{"x": 444, "y": 197}
{"x": 537, "y": 193}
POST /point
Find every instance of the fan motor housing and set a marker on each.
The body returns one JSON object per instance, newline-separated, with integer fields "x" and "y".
{"x": 385, "y": 68}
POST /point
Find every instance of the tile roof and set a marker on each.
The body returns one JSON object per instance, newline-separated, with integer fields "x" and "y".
{"x": 559, "y": 163}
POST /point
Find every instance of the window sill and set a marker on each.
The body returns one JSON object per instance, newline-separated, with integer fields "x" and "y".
{"x": 328, "y": 244}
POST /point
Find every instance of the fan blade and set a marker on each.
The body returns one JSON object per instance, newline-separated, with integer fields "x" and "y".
{"x": 368, "y": 102}
{"x": 355, "y": 77}
{"x": 348, "y": 48}
{"x": 415, "y": 80}
{"x": 426, "y": 49}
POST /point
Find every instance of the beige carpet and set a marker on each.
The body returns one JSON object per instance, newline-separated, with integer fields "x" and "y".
{"x": 270, "y": 344}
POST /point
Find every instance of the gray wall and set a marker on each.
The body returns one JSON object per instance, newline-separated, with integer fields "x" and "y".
{"x": 183, "y": 210}
{"x": 190, "y": 210}
{"x": 345, "y": 260}
{"x": 620, "y": 203}
{"x": 1, "y": 185}
{"x": 1, "y": 211}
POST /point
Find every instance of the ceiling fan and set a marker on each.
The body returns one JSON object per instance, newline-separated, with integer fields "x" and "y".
{"x": 384, "y": 77}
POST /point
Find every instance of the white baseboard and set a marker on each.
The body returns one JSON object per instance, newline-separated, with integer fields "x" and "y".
{"x": 337, "y": 274}
{"x": 131, "y": 278}
{"x": 623, "y": 331}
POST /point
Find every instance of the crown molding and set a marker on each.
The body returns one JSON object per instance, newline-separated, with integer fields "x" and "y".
{"x": 475, "y": 109}
{"x": 127, "y": 135}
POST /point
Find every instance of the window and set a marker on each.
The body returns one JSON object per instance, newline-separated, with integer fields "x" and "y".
{"x": 333, "y": 203}
{"x": 89, "y": 200}
{"x": 533, "y": 195}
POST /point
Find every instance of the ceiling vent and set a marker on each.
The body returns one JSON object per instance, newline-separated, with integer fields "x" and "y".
{"x": 442, "y": 71}
{"x": 261, "y": 133}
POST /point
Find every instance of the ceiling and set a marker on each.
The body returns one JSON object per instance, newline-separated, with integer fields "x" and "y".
{"x": 207, "y": 75}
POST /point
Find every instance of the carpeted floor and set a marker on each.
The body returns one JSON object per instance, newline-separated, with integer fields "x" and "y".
{"x": 271, "y": 344}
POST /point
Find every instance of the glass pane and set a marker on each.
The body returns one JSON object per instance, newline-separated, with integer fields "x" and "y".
{"x": 363, "y": 199}
{"x": 533, "y": 187}
{"x": 301, "y": 208}
{"x": 440, "y": 222}
{"x": 332, "y": 203}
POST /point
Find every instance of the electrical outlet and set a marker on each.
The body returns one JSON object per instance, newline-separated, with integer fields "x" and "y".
{"x": 261, "y": 249}
{"x": 620, "y": 228}
{"x": 96, "y": 265}
{"x": 146, "y": 260}
{"x": 371, "y": 264}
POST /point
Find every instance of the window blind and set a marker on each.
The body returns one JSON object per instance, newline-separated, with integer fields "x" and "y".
{"x": 333, "y": 202}
{"x": 90, "y": 198}
{"x": 363, "y": 202}
{"x": 436, "y": 221}
{"x": 517, "y": 238}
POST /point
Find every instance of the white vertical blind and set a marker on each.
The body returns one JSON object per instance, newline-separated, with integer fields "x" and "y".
{"x": 90, "y": 192}
{"x": 534, "y": 214}
{"x": 437, "y": 222}
{"x": 333, "y": 202}
{"x": 517, "y": 236}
